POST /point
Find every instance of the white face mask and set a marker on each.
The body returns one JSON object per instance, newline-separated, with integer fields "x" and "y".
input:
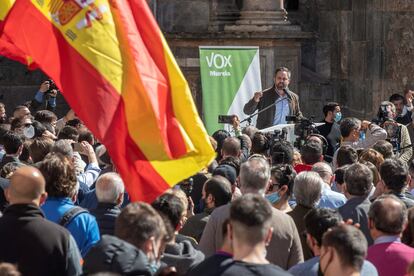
{"x": 29, "y": 132}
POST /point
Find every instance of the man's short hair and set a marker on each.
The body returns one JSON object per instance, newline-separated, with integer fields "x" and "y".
{"x": 39, "y": 148}
{"x": 348, "y": 125}
{"x": 109, "y": 187}
{"x": 388, "y": 214}
{"x": 45, "y": 116}
{"x": 63, "y": 147}
{"x": 385, "y": 148}
{"x": 346, "y": 155}
{"x": 137, "y": 223}
{"x": 86, "y": 135}
{"x": 307, "y": 188}
{"x": 311, "y": 152}
{"x": 283, "y": 69}
{"x": 254, "y": 175}
{"x": 324, "y": 170}
{"x": 59, "y": 174}
{"x": 358, "y": 180}
{"x": 69, "y": 132}
{"x": 349, "y": 243}
{"x": 220, "y": 189}
{"x": 12, "y": 142}
{"x": 282, "y": 153}
{"x": 231, "y": 146}
{"x": 250, "y": 131}
{"x": 329, "y": 107}
{"x": 251, "y": 218}
{"x": 320, "y": 220}
{"x": 396, "y": 97}
{"x": 394, "y": 174}
{"x": 171, "y": 206}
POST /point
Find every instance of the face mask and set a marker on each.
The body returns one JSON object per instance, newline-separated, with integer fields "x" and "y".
{"x": 338, "y": 117}
{"x": 154, "y": 264}
{"x": 362, "y": 135}
{"x": 273, "y": 197}
{"x": 29, "y": 132}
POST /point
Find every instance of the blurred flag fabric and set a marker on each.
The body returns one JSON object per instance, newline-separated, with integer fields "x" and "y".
{"x": 115, "y": 69}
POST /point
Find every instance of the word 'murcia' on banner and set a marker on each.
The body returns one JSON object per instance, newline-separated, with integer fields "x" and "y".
{"x": 116, "y": 71}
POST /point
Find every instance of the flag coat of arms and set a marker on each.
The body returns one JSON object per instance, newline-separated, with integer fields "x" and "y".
{"x": 115, "y": 69}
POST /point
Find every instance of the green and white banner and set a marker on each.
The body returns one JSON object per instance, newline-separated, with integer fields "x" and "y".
{"x": 229, "y": 78}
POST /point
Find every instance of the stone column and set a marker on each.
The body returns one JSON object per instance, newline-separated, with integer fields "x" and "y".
{"x": 222, "y": 12}
{"x": 263, "y": 12}
{"x": 261, "y": 16}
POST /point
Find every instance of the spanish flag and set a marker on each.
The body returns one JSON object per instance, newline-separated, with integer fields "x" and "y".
{"x": 115, "y": 69}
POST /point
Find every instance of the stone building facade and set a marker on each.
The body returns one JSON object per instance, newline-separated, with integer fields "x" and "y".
{"x": 356, "y": 52}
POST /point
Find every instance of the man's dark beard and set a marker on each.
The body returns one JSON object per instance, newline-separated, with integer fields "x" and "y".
{"x": 3, "y": 120}
{"x": 280, "y": 86}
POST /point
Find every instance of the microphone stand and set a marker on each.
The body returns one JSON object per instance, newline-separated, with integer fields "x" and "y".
{"x": 249, "y": 119}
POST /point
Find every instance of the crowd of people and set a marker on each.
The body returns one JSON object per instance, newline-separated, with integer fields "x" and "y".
{"x": 341, "y": 204}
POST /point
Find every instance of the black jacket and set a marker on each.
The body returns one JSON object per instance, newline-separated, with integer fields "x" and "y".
{"x": 265, "y": 119}
{"x": 106, "y": 214}
{"x": 36, "y": 245}
{"x": 112, "y": 254}
{"x": 182, "y": 255}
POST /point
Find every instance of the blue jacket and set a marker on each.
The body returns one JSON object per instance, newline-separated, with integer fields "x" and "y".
{"x": 83, "y": 227}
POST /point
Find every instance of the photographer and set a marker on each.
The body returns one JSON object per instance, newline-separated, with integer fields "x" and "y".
{"x": 45, "y": 98}
{"x": 397, "y": 133}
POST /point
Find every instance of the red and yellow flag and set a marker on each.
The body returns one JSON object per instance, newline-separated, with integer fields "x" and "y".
{"x": 117, "y": 72}
{"x": 6, "y": 47}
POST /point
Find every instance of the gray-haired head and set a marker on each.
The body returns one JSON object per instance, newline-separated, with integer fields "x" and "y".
{"x": 324, "y": 171}
{"x": 348, "y": 125}
{"x": 307, "y": 189}
{"x": 110, "y": 188}
{"x": 63, "y": 147}
{"x": 254, "y": 176}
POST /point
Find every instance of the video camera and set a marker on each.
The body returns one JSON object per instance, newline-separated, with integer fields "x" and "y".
{"x": 303, "y": 128}
{"x": 391, "y": 127}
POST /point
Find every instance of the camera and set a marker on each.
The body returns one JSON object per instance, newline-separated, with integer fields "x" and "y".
{"x": 52, "y": 86}
{"x": 382, "y": 115}
{"x": 187, "y": 186}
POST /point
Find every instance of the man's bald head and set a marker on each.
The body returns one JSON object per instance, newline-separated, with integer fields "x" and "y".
{"x": 388, "y": 214}
{"x": 27, "y": 185}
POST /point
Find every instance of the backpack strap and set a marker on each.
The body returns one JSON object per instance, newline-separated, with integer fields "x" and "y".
{"x": 70, "y": 214}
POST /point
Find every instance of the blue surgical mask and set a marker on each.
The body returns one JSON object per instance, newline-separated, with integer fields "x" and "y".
{"x": 362, "y": 135}
{"x": 273, "y": 197}
{"x": 338, "y": 117}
